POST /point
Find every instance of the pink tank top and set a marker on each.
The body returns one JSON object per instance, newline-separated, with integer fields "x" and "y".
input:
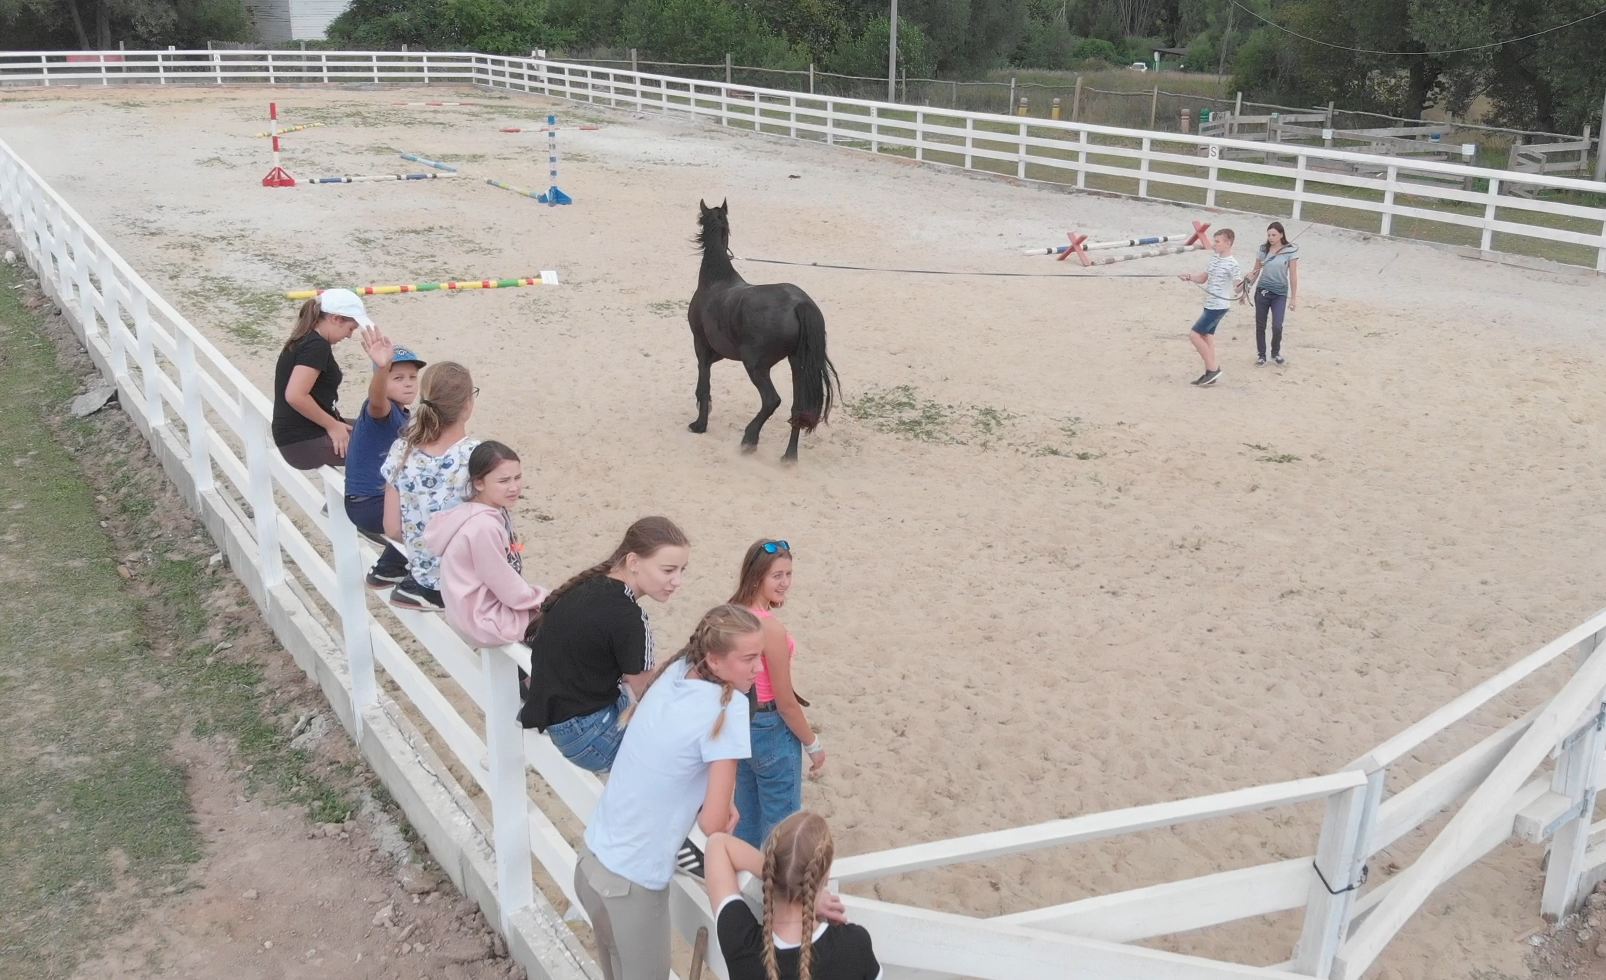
{"x": 761, "y": 684}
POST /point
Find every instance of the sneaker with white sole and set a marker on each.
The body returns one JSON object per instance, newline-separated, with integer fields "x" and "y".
{"x": 410, "y": 595}
{"x": 1260, "y": 361}
{"x": 380, "y": 582}
{"x": 1209, "y": 378}
{"x": 1278, "y": 360}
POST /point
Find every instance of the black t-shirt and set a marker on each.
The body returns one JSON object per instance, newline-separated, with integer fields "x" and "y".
{"x": 840, "y": 952}
{"x": 289, "y": 425}
{"x": 592, "y": 636}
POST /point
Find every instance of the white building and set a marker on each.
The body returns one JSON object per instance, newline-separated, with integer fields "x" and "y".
{"x": 292, "y": 20}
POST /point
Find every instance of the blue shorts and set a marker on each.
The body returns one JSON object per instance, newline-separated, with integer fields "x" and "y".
{"x": 1206, "y": 324}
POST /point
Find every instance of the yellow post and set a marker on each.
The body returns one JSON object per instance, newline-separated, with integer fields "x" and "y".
{"x": 1022, "y": 110}
{"x": 1054, "y": 108}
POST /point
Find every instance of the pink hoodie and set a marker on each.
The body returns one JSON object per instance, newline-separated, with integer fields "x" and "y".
{"x": 486, "y": 600}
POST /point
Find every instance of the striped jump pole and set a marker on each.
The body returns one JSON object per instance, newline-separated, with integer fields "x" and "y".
{"x": 516, "y": 190}
{"x": 429, "y": 163}
{"x": 373, "y": 178}
{"x": 548, "y": 129}
{"x": 553, "y": 197}
{"x": 277, "y": 176}
{"x": 546, "y": 278}
{"x": 1146, "y": 254}
{"x": 292, "y": 129}
{"x": 432, "y": 105}
{"x": 1080, "y": 246}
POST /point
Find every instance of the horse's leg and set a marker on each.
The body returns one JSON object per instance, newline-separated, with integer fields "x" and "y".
{"x": 705, "y": 360}
{"x": 769, "y": 401}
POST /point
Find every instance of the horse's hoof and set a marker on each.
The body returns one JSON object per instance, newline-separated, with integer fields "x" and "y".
{"x": 697, "y": 427}
{"x": 749, "y": 448}
{"x": 789, "y": 459}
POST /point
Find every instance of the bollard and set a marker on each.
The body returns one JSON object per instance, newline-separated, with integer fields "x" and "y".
{"x": 1186, "y": 120}
{"x": 1054, "y": 108}
{"x": 1023, "y": 107}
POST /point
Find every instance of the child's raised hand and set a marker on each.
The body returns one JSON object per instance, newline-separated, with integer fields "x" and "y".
{"x": 380, "y": 348}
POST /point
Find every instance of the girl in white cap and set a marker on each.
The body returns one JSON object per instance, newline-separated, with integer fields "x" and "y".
{"x": 307, "y": 426}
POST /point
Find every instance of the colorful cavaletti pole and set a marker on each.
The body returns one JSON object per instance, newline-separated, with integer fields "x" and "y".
{"x": 553, "y": 197}
{"x": 517, "y": 190}
{"x": 276, "y": 177}
{"x": 429, "y": 163}
{"x": 546, "y": 129}
{"x": 292, "y": 129}
{"x": 546, "y": 278}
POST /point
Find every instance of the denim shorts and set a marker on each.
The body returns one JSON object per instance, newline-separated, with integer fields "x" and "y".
{"x": 592, "y": 741}
{"x": 1206, "y": 324}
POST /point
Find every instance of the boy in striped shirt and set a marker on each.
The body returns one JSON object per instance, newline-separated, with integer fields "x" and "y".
{"x": 1222, "y": 279}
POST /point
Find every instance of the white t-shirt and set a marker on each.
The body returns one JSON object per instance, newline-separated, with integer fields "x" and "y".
{"x": 1221, "y": 275}
{"x": 660, "y": 777}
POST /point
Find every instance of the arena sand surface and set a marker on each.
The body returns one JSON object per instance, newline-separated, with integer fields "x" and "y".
{"x": 1096, "y": 586}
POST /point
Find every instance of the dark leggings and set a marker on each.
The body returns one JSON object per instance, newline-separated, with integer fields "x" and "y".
{"x": 312, "y": 453}
{"x": 1276, "y": 304}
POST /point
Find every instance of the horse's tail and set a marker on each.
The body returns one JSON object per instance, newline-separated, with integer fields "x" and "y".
{"x": 814, "y": 380}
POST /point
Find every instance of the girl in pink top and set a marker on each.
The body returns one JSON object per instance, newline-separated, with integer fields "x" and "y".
{"x": 482, "y": 559}
{"x": 769, "y": 786}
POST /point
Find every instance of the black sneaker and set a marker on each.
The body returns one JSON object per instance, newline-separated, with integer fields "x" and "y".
{"x": 1278, "y": 359}
{"x": 1209, "y": 378}
{"x": 410, "y": 595}
{"x": 380, "y": 582}
{"x": 1200, "y": 379}
{"x": 690, "y": 859}
{"x": 1260, "y": 361}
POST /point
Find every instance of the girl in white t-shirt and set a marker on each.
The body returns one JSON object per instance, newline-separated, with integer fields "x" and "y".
{"x": 676, "y": 766}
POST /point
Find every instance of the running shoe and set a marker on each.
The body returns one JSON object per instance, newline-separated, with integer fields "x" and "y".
{"x": 410, "y": 595}
{"x": 1210, "y": 378}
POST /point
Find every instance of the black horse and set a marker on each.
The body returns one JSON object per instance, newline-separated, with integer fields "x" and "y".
{"x": 757, "y": 325}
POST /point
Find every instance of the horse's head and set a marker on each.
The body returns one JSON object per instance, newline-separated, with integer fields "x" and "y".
{"x": 715, "y": 224}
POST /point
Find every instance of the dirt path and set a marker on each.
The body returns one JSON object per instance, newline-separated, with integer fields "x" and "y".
{"x": 175, "y": 799}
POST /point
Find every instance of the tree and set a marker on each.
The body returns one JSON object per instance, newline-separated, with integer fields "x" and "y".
{"x": 865, "y": 54}
{"x": 100, "y": 24}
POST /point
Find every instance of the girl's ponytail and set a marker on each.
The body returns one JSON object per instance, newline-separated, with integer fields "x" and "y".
{"x": 306, "y": 321}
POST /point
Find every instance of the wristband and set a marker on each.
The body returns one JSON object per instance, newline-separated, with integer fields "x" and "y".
{"x": 814, "y": 748}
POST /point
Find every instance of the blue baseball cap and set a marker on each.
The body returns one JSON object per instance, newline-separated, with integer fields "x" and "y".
{"x": 405, "y": 356}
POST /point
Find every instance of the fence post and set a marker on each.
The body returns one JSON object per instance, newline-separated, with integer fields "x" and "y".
{"x": 217, "y": 63}
{"x": 811, "y": 79}
{"x": 1493, "y": 200}
{"x": 904, "y": 81}
{"x": 728, "y": 69}
{"x": 791, "y": 115}
{"x": 1154, "y": 107}
{"x": 323, "y": 65}
{"x": 1020, "y": 166}
{"x": 149, "y": 373}
{"x": 1009, "y": 107}
{"x": 1238, "y": 106}
{"x": 1338, "y": 871}
{"x": 1081, "y": 160}
{"x": 1330, "y": 114}
{"x": 161, "y": 66}
{"x": 259, "y": 494}
{"x": 1076, "y": 101}
{"x": 1392, "y": 176}
{"x": 1574, "y": 778}
{"x": 510, "y": 798}
{"x": 80, "y": 264}
{"x": 1299, "y": 187}
{"x": 375, "y": 58}
{"x": 970, "y": 134}
{"x": 189, "y": 379}
{"x": 352, "y": 602}
{"x": 1143, "y": 167}
{"x": 830, "y": 123}
{"x": 1469, "y": 158}
{"x": 114, "y": 319}
{"x": 920, "y": 133}
{"x": 1600, "y": 152}
{"x": 1214, "y": 154}
{"x": 875, "y": 130}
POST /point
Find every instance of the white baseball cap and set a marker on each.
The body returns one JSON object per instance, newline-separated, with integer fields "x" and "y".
{"x": 344, "y": 302}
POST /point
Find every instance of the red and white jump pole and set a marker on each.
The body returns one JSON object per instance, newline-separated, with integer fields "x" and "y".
{"x": 276, "y": 177}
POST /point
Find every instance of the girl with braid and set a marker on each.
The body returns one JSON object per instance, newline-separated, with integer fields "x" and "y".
{"x": 804, "y": 934}
{"x": 591, "y": 651}
{"x": 677, "y": 766}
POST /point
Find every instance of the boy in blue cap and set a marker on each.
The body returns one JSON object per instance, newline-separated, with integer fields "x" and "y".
{"x": 378, "y": 424}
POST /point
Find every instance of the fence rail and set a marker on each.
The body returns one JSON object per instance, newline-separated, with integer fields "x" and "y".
{"x": 438, "y": 720}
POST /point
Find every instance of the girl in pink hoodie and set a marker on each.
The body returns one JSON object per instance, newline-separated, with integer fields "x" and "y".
{"x": 482, "y": 564}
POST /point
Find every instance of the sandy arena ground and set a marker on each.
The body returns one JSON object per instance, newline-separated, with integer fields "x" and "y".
{"x": 1098, "y": 587}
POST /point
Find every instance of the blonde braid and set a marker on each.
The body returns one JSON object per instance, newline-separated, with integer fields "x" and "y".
{"x": 772, "y": 970}
{"x": 813, "y": 877}
{"x": 714, "y": 632}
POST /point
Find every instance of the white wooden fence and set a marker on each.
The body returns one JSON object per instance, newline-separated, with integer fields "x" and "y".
{"x": 463, "y": 774}
{"x": 1422, "y": 196}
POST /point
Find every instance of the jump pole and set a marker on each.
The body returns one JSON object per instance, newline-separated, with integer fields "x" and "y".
{"x": 553, "y": 197}
{"x": 1147, "y": 254}
{"x": 429, "y": 163}
{"x": 516, "y": 190}
{"x": 292, "y": 129}
{"x": 1080, "y": 246}
{"x": 546, "y": 129}
{"x": 276, "y": 177}
{"x": 546, "y": 278}
{"x": 372, "y": 178}
{"x": 433, "y": 105}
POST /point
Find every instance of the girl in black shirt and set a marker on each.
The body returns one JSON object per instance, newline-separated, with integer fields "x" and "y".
{"x": 307, "y": 426}
{"x": 591, "y": 650}
{"x": 805, "y": 934}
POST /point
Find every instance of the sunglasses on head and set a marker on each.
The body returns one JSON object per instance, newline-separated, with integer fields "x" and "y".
{"x": 775, "y": 547}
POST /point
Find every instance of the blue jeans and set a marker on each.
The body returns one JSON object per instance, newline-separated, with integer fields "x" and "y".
{"x": 769, "y": 786}
{"x": 592, "y": 741}
{"x": 368, "y": 513}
